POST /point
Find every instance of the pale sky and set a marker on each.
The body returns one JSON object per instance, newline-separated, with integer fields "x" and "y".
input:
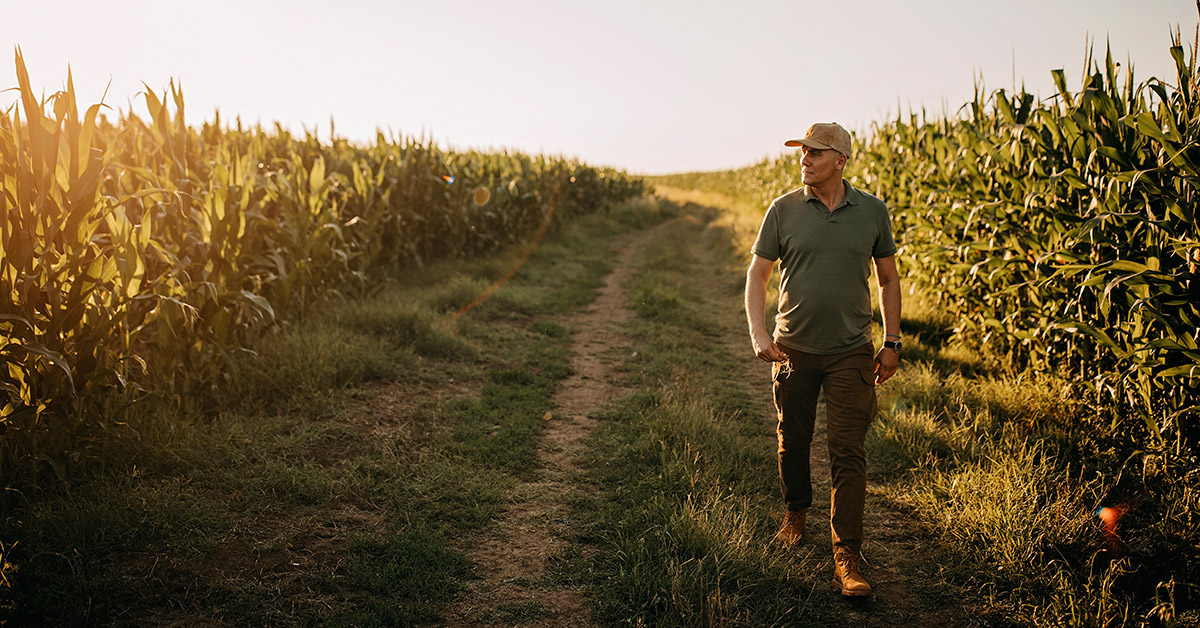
{"x": 650, "y": 86}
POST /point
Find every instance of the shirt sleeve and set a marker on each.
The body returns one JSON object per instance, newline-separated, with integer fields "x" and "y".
{"x": 767, "y": 243}
{"x": 885, "y": 244}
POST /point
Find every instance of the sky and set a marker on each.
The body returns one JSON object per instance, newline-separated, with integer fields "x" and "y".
{"x": 648, "y": 86}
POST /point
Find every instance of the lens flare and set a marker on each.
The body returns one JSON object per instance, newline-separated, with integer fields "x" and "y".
{"x": 482, "y": 195}
{"x": 1110, "y": 516}
{"x": 448, "y": 178}
{"x": 537, "y": 238}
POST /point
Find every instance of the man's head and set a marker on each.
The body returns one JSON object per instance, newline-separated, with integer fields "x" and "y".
{"x": 826, "y": 147}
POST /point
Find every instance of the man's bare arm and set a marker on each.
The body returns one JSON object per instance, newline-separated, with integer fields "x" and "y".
{"x": 756, "y": 309}
{"x": 886, "y": 360}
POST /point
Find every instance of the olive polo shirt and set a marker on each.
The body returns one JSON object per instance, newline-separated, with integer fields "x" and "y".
{"x": 824, "y": 263}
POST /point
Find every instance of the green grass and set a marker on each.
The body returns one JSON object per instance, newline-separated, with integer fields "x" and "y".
{"x": 290, "y": 503}
{"x": 387, "y": 578}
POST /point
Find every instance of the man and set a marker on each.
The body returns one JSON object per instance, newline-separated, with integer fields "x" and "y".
{"x": 826, "y": 235}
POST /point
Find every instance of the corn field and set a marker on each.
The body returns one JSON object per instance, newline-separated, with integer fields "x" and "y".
{"x": 139, "y": 257}
{"x": 1060, "y": 234}
{"x": 1064, "y": 235}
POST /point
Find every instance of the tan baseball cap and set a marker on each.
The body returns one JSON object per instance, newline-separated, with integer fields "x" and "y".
{"x": 824, "y": 135}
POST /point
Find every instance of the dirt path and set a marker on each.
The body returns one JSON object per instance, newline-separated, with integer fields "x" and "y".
{"x": 519, "y": 587}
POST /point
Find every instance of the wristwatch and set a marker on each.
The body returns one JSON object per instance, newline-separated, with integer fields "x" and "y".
{"x": 894, "y": 345}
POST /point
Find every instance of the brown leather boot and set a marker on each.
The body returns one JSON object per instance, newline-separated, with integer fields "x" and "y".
{"x": 846, "y": 575}
{"x": 793, "y": 527}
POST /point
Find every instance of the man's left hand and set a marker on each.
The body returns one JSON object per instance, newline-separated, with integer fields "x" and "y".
{"x": 886, "y": 363}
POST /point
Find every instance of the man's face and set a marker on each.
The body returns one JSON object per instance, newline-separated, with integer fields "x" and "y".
{"x": 819, "y": 166}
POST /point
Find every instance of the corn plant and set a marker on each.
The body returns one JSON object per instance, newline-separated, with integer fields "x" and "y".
{"x": 70, "y": 268}
{"x": 1064, "y": 233}
{"x": 141, "y": 257}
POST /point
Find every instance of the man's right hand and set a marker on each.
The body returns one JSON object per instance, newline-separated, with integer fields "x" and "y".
{"x": 766, "y": 349}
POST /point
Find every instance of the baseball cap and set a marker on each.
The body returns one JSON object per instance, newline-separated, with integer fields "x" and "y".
{"x": 824, "y": 135}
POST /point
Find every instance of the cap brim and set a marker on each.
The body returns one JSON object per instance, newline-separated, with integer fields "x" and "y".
{"x": 808, "y": 143}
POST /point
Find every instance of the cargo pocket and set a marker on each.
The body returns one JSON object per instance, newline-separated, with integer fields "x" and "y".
{"x": 868, "y": 375}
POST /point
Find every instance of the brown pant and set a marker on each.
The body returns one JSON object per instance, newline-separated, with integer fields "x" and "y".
{"x": 849, "y": 383}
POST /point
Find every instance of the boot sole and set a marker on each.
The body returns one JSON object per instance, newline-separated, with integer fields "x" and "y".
{"x": 849, "y": 593}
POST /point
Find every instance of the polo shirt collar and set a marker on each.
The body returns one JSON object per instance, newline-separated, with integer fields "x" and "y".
{"x": 851, "y": 197}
